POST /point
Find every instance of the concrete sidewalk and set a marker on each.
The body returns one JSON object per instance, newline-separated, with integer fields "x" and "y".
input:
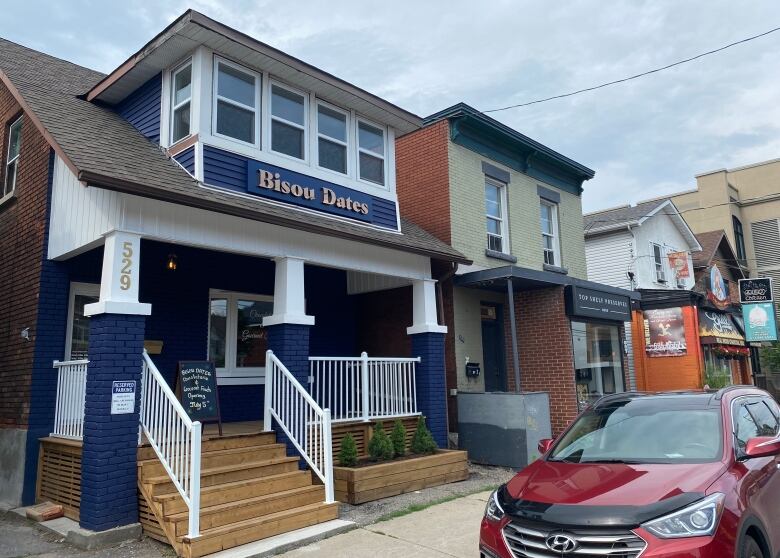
{"x": 448, "y": 529}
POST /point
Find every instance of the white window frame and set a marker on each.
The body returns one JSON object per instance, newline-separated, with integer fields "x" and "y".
{"x": 503, "y": 221}
{"x": 659, "y": 267}
{"x": 556, "y": 234}
{"x": 8, "y": 161}
{"x": 359, "y": 150}
{"x": 305, "y": 127}
{"x": 317, "y": 135}
{"x": 215, "y": 98}
{"x": 174, "y": 106}
{"x": 76, "y": 288}
{"x": 230, "y": 374}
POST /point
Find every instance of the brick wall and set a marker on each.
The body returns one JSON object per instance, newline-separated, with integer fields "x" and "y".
{"x": 22, "y": 250}
{"x": 382, "y": 319}
{"x": 422, "y": 178}
{"x": 430, "y": 377}
{"x": 546, "y": 352}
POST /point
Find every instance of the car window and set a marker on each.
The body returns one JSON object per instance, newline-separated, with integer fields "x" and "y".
{"x": 745, "y": 426}
{"x": 764, "y": 417}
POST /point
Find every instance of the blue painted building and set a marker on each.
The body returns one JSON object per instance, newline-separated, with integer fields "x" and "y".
{"x": 214, "y": 199}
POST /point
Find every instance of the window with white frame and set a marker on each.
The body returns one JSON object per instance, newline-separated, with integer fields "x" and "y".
{"x": 551, "y": 245}
{"x": 371, "y": 153}
{"x": 236, "y": 98}
{"x": 237, "y": 338}
{"x": 495, "y": 209}
{"x": 288, "y": 122}
{"x": 12, "y": 158}
{"x": 332, "y": 140}
{"x": 181, "y": 102}
{"x": 658, "y": 263}
{"x": 77, "y": 335}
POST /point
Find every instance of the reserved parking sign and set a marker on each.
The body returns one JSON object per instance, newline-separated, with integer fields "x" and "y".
{"x": 122, "y": 397}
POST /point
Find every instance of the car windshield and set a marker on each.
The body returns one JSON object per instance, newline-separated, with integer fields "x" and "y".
{"x": 643, "y": 430}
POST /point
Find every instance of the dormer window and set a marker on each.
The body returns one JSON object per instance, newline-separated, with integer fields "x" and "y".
{"x": 371, "y": 153}
{"x": 332, "y": 138}
{"x": 181, "y": 102}
{"x": 236, "y": 101}
{"x": 288, "y": 122}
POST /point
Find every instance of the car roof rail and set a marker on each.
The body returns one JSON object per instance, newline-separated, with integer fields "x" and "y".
{"x": 723, "y": 391}
{"x": 618, "y": 396}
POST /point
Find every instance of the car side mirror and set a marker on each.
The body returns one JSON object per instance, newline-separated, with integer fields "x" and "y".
{"x": 544, "y": 445}
{"x": 762, "y": 446}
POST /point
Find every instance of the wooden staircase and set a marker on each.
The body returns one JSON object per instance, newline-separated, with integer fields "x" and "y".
{"x": 250, "y": 490}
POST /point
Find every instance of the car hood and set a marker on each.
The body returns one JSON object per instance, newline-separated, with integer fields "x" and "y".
{"x": 605, "y": 493}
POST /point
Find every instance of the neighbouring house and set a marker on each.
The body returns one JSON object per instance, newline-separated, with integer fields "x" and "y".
{"x": 213, "y": 200}
{"x": 646, "y": 246}
{"x": 522, "y": 317}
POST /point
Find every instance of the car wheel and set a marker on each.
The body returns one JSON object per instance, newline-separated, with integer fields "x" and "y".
{"x": 750, "y": 549}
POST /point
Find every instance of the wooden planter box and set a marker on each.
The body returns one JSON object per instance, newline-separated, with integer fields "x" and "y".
{"x": 372, "y": 482}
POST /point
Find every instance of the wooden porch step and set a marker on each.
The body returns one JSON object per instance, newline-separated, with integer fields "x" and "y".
{"x": 173, "y": 503}
{"x": 249, "y": 508}
{"x": 212, "y": 476}
{"x": 243, "y": 532}
{"x": 145, "y": 452}
{"x": 215, "y": 458}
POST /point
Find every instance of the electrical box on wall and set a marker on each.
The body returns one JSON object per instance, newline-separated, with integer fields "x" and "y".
{"x": 472, "y": 369}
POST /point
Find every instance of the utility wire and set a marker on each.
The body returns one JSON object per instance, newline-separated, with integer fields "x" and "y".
{"x": 692, "y": 58}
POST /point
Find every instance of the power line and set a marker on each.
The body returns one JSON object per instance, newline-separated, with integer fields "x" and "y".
{"x": 692, "y": 58}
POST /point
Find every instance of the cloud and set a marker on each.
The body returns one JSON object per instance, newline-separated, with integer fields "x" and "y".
{"x": 645, "y": 137}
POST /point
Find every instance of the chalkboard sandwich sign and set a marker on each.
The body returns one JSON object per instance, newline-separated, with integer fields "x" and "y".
{"x": 197, "y": 388}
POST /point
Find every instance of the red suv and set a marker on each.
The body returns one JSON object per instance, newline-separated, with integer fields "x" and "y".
{"x": 673, "y": 475}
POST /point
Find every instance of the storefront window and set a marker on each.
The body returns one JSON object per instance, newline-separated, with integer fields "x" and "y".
{"x": 77, "y": 342}
{"x": 237, "y": 339}
{"x": 598, "y": 365}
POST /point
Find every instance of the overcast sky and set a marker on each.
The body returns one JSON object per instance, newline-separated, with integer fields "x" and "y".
{"x": 645, "y": 138}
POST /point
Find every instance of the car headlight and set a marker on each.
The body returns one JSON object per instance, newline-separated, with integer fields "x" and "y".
{"x": 493, "y": 510}
{"x": 697, "y": 520}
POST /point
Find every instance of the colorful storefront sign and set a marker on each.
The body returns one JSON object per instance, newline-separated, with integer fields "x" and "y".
{"x": 665, "y": 332}
{"x": 678, "y": 261}
{"x": 717, "y": 289}
{"x": 718, "y": 328}
{"x": 760, "y": 324}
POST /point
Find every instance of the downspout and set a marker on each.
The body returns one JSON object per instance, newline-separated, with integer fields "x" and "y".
{"x": 439, "y": 295}
{"x": 510, "y": 291}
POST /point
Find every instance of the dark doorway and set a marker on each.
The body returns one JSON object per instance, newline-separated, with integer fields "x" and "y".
{"x": 494, "y": 365}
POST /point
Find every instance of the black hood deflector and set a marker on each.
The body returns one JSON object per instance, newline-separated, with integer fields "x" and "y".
{"x": 569, "y": 515}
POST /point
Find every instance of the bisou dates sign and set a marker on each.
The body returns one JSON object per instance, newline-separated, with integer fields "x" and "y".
{"x": 198, "y": 390}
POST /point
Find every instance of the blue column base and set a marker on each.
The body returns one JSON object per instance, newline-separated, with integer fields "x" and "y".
{"x": 290, "y": 344}
{"x": 109, "y": 491}
{"x": 431, "y": 383}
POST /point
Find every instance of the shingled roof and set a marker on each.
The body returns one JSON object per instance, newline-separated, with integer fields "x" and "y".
{"x": 620, "y": 217}
{"x": 104, "y": 150}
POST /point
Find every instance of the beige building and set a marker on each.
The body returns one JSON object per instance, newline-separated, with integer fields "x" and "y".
{"x": 744, "y": 202}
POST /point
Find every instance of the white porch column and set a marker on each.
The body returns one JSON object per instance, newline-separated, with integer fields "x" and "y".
{"x": 120, "y": 277}
{"x": 424, "y": 308}
{"x": 289, "y": 297}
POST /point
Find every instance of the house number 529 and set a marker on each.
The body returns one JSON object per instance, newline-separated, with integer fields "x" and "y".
{"x": 125, "y": 279}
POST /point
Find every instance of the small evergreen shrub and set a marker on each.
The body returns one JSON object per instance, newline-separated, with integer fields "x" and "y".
{"x": 380, "y": 448}
{"x": 348, "y": 454}
{"x": 398, "y": 437}
{"x": 422, "y": 441}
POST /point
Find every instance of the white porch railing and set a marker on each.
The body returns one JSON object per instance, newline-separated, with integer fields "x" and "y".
{"x": 174, "y": 437}
{"x": 363, "y": 388}
{"x": 306, "y": 424}
{"x": 71, "y": 389}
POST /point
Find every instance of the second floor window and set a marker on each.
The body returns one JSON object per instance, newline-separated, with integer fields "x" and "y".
{"x": 550, "y": 235}
{"x": 371, "y": 153}
{"x": 181, "y": 102}
{"x": 739, "y": 238}
{"x": 235, "y": 103}
{"x": 658, "y": 262}
{"x": 332, "y": 139}
{"x": 12, "y": 159}
{"x": 288, "y": 122}
{"x": 494, "y": 215}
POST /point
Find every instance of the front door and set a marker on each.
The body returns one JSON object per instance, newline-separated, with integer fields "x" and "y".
{"x": 494, "y": 365}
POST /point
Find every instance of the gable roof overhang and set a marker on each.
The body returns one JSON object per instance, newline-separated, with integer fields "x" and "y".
{"x": 489, "y": 137}
{"x": 711, "y": 242}
{"x": 193, "y": 29}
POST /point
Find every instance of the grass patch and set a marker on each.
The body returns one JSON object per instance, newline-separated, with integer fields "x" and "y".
{"x": 419, "y": 507}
